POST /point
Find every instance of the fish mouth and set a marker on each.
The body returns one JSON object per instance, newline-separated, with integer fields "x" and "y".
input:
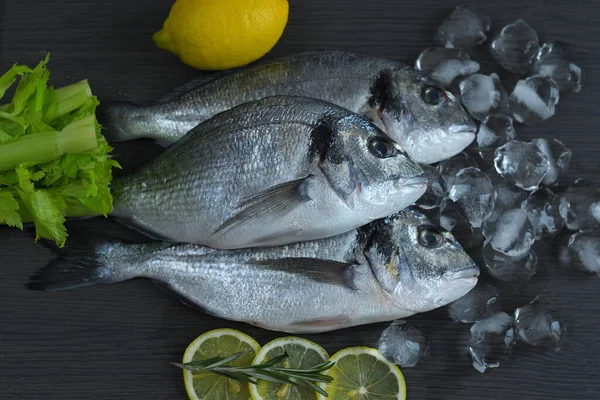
{"x": 416, "y": 182}
{"x": 465, "y": 274}
{"x": 470, "y": 130}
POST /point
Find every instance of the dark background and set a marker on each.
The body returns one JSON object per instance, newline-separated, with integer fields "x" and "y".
{"x": 116, "y": 341}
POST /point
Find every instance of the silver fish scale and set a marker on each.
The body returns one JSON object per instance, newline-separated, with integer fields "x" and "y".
{"x": 387, "y": 92}
{"x": 381, "y": 272}
{"x": 176, "y": 192}
{"x": 259, "y": 173}
{"x": 201, "y": 190}
{"x": 340, "y": 248}
{"x": 226, "y": 283}
{"x": 231, "y": 291}
{"x": 315, "y": 74}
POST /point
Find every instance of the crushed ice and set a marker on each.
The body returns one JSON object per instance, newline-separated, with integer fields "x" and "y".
{"x": 502, "y": 193}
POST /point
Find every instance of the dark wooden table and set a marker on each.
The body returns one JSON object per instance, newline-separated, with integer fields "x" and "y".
{"x": 116, "y": 341}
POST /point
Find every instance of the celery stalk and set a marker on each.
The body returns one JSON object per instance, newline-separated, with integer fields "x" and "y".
{"x": 68, "y": 91}
{"x": 70, "y": 98}
{"x": 78, "y": 137}
{"x": 54, "y": 161}
{"x": 69, "y": 104}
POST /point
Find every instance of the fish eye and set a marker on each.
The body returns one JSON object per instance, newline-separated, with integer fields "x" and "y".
{"x": 434, "y": 96}
{"x": 431, "y": 238}
{"x": 382, "y": 147}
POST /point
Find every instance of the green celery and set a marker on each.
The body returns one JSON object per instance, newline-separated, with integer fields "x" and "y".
{"x": 67, "y": 91}
{"x": 37, "y": 148}
{"x": 70, "y": 98}
{"x": 54, "y": 161}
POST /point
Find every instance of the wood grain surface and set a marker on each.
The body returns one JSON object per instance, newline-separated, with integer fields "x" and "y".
{"x": 116, "y": 341}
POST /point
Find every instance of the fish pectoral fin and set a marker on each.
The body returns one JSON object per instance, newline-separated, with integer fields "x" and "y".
{"x": 323, "y": 271}
{"x": 272, "y": 204}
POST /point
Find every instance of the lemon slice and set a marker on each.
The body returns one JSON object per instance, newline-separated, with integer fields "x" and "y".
{"x": 362, "y": 373}
{"x": 202, "y": 385}
{"x": 302, "y": 354}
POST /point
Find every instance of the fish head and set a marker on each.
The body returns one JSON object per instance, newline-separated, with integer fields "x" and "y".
{"x": 428, "y": 121}
{"x": 420, "y": 266}
{"x": 368, "y": 170}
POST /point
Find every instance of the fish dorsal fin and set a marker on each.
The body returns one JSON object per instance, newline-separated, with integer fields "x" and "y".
{"x": 192, "y": 85}
{"x": 272, "y": 204}
{"x": 324, "y": 271}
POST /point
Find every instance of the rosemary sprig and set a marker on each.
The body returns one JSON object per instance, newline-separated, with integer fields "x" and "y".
{"x": 267, "y": 371}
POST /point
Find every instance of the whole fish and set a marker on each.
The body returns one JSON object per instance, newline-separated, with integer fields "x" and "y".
{"x": 392, "y": 268}
{"x": 427, "y": 121}
{"x": 271, "y": 172}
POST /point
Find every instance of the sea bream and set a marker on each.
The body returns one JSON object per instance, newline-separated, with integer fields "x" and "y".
{"x": 271, "y": 172}
{"x": 426, "y": 120}
{"x": 392, "y": 268}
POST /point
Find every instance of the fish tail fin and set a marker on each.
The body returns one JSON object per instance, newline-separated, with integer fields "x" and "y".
{"x": 63, "y": 274}
{"x": 80, "y": 263}
{"x": 122, "y": 120}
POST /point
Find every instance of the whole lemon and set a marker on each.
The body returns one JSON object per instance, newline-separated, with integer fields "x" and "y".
{"x": 222, "y": 34}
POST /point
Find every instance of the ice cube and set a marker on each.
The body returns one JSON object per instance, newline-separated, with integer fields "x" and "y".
{"x": 516, "y": 46}
{"x": 558, "y": 155}
{"x": 543, "y": 210}
{"x": 539, "y": 324}
{"x": 511, "y": 233}
{"x": 492, "y": 340}
{"x": 554, "y": 60}
{"x": 450, "y": 167}
{"x": 521, "y": 163}
{"x": 447, "y": 216}
{"x": 504, "y": 105}
{"x": 495, "y": 130}
{"x": 436, "y": 189}
{"x": 464, "y": 28}
{"x": 481, "y": 302}
{"x": 580, "y": 205}
{"x": 508, "y": 195}
{"x": 585, "y": 250}
{"x": 462, "y": 230}
{"x": 474, "y": 195}
{"x": 444, "y": 65}
{"x": 447, "y": 222}
{"x": 509, "y": 269}
{"x": 595, "y": 211}
{"x": 404, "y": 344}
{"x": 479, "y": 95}
{"x": 534, "y": 99}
